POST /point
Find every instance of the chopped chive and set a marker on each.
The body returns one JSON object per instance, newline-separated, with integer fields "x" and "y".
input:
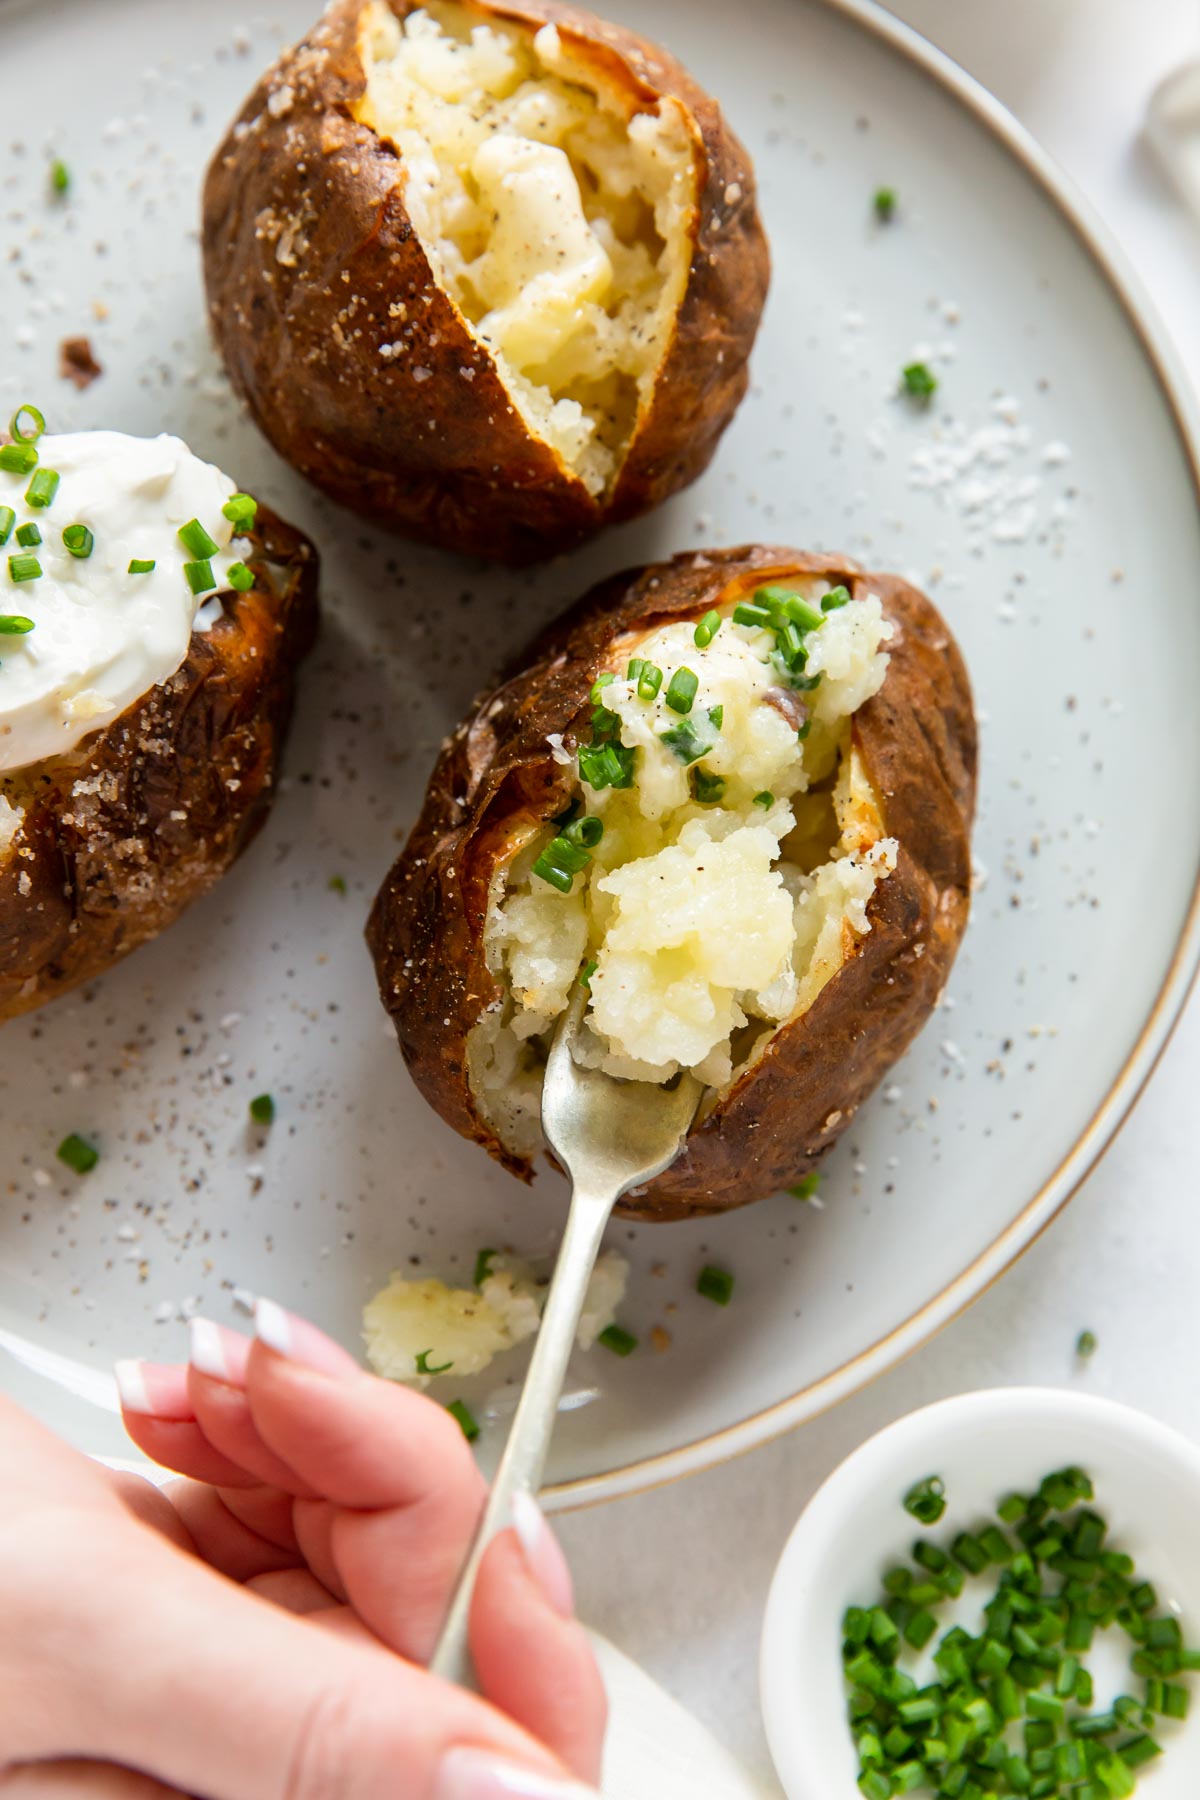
{"x": 706, "y": 789}
{"x": 875, "y": 1785}
{"x": 459, "y": 1410}
{"x": 240, "y": 577}
{"x": 919, "y": 1629}
{"x": 927, "y": 1500}
{"x": 483, "y": 1267}
{"x": 716, "y": 1285}
{"x": 837, "y": 596}
{"x": 607, "y": 765}
{"x": 856, "y": 1625}
{"x": 1085, "y": 1345}
{"x": 141, "y": 565}
{"x": 194, "y": 538}
{"x": 688, "y": 744}
{"x": 634, "y": 670}
{"x": 681, "y": 690}
{"x": 28, "y": 536}
{"x": 995, "y": 1545}
{"x": 968, "y": 1551}
{"x": 790, "y": 606}
{"x": 804, "y": 1190}
{"x": 557, "y": 878}
{"x": 77, "y": 1153}
{"x": 1115, "y": 1777}
{"x": 42, "y": 489}
{"x": 18, "y": 459}
{"x": 919, "y": 381}
{"x": 716, "y": 717}
{"x": 885, "y": 204}
{"x": 425, "y": 1367}
{"x": 765, "y": 799}
{"x": 707, "y": 629}
{"x": 650, "y": 679}
{"x": 199, "y": 576}
{"x": 618, "y": 1340}
{"x": 8, "y": 519}
{"x": 262, "y": 1109}
{"x": 586, "y": 973}
{"x": 78, "y": 541}
{"x": 14, "y": 625}
{"x": 60, "y": 176}
{"x": 586, "y": 832}
{"x": 749, "y": 614}
{"x": 38, "y": 422}
{"x": 24, "y": 568}
{"x": 337, "y": 884}
{"x": 561, "y": 861}
{"x": 241, "y": 511}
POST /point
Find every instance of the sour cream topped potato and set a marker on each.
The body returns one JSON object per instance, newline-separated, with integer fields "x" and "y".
{"x": 732, "y": 795}
{"x": 150, "y": 619}
{"x": 488, "y": 274}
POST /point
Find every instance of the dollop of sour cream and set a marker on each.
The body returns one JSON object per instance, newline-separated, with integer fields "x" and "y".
{"x": 103, "y": 637}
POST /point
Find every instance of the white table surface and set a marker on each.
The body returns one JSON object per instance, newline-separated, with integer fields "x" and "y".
{"x": 678, "y": 1578}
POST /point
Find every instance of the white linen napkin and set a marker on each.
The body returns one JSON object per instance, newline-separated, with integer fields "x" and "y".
{"x": 656, "y": 1750}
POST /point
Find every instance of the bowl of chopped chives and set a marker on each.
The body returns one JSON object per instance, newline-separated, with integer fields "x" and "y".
{"x": 998, "y": 1595}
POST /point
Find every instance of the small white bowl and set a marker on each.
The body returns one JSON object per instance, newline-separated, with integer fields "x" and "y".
{"x": 984, "y": 1446}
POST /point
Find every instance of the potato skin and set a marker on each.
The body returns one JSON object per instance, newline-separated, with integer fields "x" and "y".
{"x": 308, "y": 245}
{"x": 496, "y": 778}
{"x": 123, "y": 833}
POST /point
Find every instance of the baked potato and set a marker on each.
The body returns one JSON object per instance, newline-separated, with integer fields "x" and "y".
{"x": 733, "y": 795}
{"x": 488, "y": 274}
{"x": 105, "y": 842}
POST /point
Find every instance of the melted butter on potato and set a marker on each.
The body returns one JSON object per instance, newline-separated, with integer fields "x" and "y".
{"x": 558, "y": 221}
{"x": 709, "y": 924}
{"x": 429, "y": 1322}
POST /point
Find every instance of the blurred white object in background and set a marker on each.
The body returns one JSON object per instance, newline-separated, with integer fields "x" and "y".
{"x": 1173, "y": 129}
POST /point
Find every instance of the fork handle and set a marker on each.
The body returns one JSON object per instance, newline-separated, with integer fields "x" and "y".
{"x": 524, "y": 1460}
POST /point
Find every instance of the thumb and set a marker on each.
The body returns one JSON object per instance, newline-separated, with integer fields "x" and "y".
{"x": 160, "y": 1665}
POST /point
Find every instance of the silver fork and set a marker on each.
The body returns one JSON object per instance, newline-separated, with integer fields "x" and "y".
{"x": 609, "y": 1135}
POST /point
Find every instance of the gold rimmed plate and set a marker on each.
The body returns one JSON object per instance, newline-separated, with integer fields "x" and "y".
{"x": 1047, "y": 498}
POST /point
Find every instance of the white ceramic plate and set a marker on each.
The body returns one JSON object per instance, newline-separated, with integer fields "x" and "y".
{"x": 1047, "y": 500}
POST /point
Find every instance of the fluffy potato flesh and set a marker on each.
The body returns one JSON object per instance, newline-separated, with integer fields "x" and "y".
{"x": 414, "y": 1330}
{"x": 733, "y": 876}
{"x": 557, "y": 220}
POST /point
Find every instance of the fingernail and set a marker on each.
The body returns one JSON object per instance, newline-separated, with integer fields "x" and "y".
{"x": 543, "y": 1553}
{"x": 474, "y": 1775}
{"x": 215, "y": 1351}
{"x": 156, "y": 1390}
{"x": 299, "y": 1341}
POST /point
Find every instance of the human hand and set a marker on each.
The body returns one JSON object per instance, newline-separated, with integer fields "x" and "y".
{"x": 254, "y": 1634}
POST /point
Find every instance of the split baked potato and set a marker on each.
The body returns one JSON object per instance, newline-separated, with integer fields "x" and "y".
{"x": 488, "y": 274}
{"x": 103, "y": 847}
{"x": 733, "y": 795}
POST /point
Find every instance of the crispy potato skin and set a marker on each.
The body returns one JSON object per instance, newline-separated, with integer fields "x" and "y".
{"x": 122, "y": 834}
{"x": 496, "y": 780}
{"x": 308, "y": 246}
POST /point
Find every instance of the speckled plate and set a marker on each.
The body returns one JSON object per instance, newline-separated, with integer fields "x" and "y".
{"x": 1048, "y": 500}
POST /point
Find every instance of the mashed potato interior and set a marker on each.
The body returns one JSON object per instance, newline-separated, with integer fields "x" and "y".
{"x": 557, "y": 220}
{"x": 732, "y": 879}
{"x": 414, "y": 1330}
